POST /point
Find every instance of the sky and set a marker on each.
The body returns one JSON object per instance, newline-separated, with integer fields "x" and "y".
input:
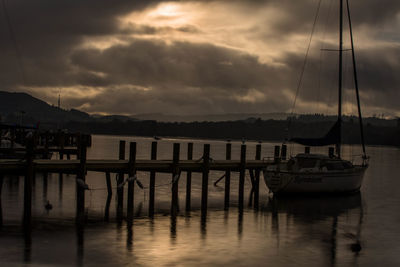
{"x": 199, "y": 57}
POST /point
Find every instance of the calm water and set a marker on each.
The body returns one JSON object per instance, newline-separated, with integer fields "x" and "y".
{"x": 318, "y": 231}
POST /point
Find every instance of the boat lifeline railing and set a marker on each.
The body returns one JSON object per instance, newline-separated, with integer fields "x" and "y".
{"x": 360, "y": 159}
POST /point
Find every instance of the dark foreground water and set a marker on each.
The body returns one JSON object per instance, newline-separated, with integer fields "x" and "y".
{"x": 356, "y": 230}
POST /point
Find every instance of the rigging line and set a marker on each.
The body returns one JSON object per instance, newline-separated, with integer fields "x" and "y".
{"x": 356, "y": 79}
{"x": 14, "y": 41}
{"x": 304, "y": 66}
{"x": 321, "y": 65}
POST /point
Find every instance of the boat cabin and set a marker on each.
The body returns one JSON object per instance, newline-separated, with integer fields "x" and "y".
{"x": 317, "y": 163}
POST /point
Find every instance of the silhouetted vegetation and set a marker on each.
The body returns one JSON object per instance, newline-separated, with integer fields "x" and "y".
{"x": 268, "y": 130}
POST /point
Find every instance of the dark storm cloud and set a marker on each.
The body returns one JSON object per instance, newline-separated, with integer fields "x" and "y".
{"x": 46, "y": 32}
{"x": 156, "y": 63}
{"x": 154, "y": 75}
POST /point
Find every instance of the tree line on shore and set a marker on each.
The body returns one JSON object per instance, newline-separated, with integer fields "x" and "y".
{"x": 253, "y": 129}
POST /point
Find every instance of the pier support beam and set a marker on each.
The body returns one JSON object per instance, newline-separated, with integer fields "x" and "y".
{"x": 120, "y": 189}
{"x": 227, "y": 177}
{"x": 80, "y": 185}
{"x": 175, "y": 180}
{"x": 152, "y": 180}
{"x": 131, "y": 183}
{"x": 276, "y": 153}
{"x": 256, "y": 184}
{"x": 284, "y": 152}
{"x": 242, "y": 174}
{"x": 109, "y": 196}
{"x": 30, "y": 172}
{"x": 189, "y": 179}
{"x": 108, "y": 182}
{"x": 204, "y": 185}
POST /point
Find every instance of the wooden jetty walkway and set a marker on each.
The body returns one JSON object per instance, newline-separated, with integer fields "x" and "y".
{"x": 127, "y": 168}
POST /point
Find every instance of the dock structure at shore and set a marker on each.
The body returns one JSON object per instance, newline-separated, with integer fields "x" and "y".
{"x": 127, "y": 168}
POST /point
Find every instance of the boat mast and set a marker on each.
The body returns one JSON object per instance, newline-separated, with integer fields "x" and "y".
{"x": 356, "y": 80}
{"x": 338, "y": 148}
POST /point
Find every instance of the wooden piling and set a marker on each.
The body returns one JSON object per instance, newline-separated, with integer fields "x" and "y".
{"x": 152, "y": 180}
{"x": 307, "y": 150}
{"x": 80, "y": 189}
{"x": 242, "y": 174}
{"x": 276, "y": 153}
{"x": 331, "y": 152}
{"x": 227, "y": 177}
{"x": 108, "y": 182}
{"x": 204, "y": 185}
{"x": 30, "y": 172}
{"x": 62, "y": 142}
{"x": 284, "y": 152}
{"x": 175, "y": 182}
{"x": 120, "y": 180}
{"x": 256, "y": 184}
{"x": 131, "y": 183}
{"x": 189, "y": 178}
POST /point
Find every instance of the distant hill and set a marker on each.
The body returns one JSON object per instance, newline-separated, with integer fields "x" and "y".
{"x": 24, "y": 108}
{"x": 209, "y": 117}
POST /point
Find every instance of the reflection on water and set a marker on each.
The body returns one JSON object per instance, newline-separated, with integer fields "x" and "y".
{"x": 359, "y": 229}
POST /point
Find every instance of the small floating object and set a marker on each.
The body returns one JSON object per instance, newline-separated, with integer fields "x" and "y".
{"x": 48, "y": 206}
{"x": 82, "y": 184}
{"x": 356, "y": 247}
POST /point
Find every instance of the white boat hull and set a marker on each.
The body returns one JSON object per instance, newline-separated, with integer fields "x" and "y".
{"x": 348, "y": 180}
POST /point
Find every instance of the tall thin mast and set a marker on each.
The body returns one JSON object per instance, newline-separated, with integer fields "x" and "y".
{"x": 356, "y": 80}
{"x": 340, "y": 78}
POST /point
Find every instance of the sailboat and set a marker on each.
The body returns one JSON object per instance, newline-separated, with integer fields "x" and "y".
{"x": 317, "y": 173}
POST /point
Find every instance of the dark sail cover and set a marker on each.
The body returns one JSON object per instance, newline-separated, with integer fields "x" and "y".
{"x": 332, "y": 137}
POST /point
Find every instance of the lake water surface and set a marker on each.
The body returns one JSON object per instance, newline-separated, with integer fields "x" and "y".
{"x": 354, "y": 230}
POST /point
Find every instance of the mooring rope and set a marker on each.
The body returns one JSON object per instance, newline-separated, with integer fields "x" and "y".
{"x": 175, "y": 179}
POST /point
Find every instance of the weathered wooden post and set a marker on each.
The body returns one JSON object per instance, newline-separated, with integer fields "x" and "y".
{"x": 109, "y": 196}
{"x": 189, "y": 178}
{"x": 120, "y": 188}
{"x": 242, "y": 173}
{"x": 175, "y": 179}
{"x": 80, "y": 183}
{"x": 257, "y": 179}
{"x": 307, "y": 150}
{"x": 62, "y": 142}
{"x": 331, "y": 152}
{"x": 284, "y": 152}
{"x": 46, "y": 146}
{"x": 131, "y": 182}
{"x": 276, "y": 154}
{"x": 227, "y": 177}
{"x": 204, "y": 185}
{"x": 30, "y": 172}
{"x": 108, "y": 182}
{"x": 152, "y": 180}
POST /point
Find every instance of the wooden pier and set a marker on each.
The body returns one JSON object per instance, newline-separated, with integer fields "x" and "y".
{"x": 127, "y": 168}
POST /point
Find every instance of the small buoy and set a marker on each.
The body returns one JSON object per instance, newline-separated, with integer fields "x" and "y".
{"x": 356, "y": 247}
{"x": 48, "y": 206}
{"x": 82, "y": 184}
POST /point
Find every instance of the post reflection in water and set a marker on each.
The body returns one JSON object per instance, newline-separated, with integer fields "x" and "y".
{"x": 27, "y": 244}
{"x": 80, "y": 231}
{"x": 173, "y": 228}
{"x": 129, "y": 237}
